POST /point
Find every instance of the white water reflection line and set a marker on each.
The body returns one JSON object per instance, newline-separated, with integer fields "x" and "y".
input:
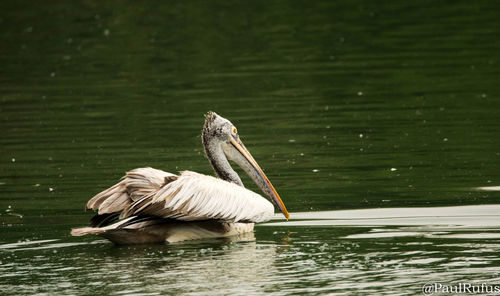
{"x": 478, "y": 221}
{"x": 488, "y": 188}
{"x": 26, "y": 243}
{"x": 43, "y": 244}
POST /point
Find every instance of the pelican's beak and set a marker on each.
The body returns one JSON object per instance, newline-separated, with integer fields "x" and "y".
{"x": 255, "y": 172}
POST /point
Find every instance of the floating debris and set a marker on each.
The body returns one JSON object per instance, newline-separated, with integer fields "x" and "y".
{"x": 323, "y": 247}
{"x": 16, "y": 215}
{"x": 315, "y": 170}
{"x": 393, "y": 169}
{"x": 9, "y": 211}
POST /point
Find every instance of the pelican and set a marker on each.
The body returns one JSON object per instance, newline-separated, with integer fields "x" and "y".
{"x": 152, "y": 206}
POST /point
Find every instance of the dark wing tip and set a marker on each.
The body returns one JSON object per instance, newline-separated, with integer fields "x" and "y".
{"x": 104, "y": 219}
{"x": 169, "y": 179}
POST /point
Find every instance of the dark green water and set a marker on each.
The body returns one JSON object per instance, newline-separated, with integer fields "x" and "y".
{"x": 345, "y": 104}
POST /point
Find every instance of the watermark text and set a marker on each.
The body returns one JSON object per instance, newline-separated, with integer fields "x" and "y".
{"x": 460, "y": 288}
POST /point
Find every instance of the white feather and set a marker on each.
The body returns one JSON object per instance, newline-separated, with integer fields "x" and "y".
{"x": 199, "y": 197}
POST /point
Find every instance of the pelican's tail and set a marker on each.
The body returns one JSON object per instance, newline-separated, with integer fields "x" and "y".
{"x": 87, "y": 230}
{"x": 132, "y": 230}
{"x": 108, "y": 222}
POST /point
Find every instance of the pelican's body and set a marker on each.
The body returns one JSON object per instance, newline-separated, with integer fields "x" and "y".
{"x": 150, "y": 205}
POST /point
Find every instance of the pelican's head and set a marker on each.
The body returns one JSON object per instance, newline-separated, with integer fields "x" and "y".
{"x": 220, "y": 134}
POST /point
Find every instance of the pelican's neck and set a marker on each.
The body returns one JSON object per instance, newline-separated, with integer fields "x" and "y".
{"x": 219, "y": 162}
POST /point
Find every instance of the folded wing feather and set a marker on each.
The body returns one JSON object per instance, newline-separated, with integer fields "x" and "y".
{"x": 199, "y": 197}
{"x": 188, "y": 197}
{"x": 135, "y": 185}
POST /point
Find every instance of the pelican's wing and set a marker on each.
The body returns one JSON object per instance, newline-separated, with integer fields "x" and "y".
{"x": 135, "y": 185}
{"x": 199, "y": 197}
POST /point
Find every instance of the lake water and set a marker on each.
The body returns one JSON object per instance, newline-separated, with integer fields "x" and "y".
{"x": 377, "y": 123}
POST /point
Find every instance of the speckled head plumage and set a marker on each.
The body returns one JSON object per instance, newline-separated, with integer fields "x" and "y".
{"x": 216, "y": 127}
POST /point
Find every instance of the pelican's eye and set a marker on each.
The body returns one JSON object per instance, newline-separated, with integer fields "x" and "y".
{"x": 234, "y": 131}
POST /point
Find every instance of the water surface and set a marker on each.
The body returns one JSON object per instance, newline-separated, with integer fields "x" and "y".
{"x": 376, "y": 123}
